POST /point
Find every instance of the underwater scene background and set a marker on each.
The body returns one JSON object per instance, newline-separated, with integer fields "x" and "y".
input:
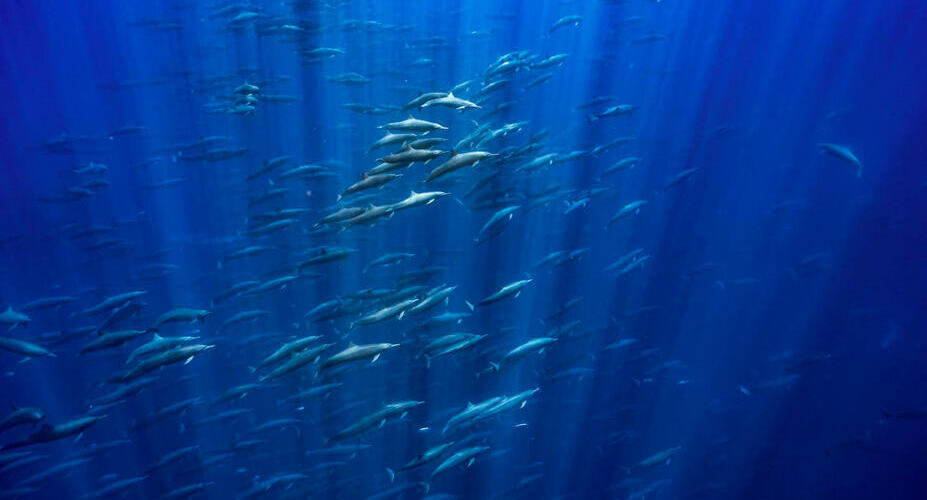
{"x": 480, "y": 249}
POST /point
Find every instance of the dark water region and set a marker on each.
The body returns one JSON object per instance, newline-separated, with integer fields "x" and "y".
{"x": 569, "y": 249}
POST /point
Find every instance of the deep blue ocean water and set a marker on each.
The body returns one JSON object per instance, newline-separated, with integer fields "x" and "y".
{"x": 752, "y": 328}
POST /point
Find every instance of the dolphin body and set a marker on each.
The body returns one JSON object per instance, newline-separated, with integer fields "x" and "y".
{"x": 844, "y": 154}
{"x": 48, "y": 433}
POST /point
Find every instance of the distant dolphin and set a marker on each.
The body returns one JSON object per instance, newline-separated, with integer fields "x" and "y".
{"x": 844, "y": 154}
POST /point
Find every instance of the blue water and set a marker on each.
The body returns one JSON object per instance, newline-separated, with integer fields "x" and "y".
{"x": 765, "y": 341}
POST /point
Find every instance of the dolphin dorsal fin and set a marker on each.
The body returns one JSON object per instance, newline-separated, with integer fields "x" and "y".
{"x": 156, "y": 337}
{"x": 351, "y": 344}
